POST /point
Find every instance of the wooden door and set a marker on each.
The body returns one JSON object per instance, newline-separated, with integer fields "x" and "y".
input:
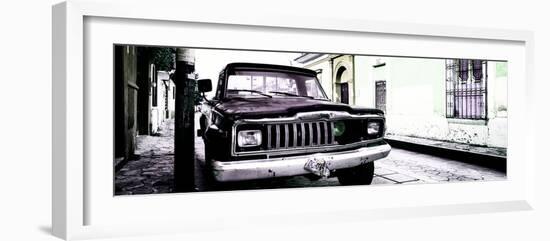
{"x": 344, "y": 93}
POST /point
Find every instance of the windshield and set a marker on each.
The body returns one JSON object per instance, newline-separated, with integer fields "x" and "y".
{"x": 266, "y": 84}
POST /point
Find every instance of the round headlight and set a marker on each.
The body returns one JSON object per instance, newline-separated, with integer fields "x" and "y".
{"x": 339, "y": 128}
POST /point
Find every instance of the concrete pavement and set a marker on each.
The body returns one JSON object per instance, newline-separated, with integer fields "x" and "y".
{"x": 491, "y": 157}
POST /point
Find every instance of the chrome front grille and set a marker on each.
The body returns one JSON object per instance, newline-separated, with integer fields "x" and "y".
{"x": 299, "y": 135}
{"x": 310, "y": 132}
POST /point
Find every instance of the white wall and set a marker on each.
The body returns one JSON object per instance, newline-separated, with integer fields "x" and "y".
{"x": 158, "y": 115}
{"x": 157, "y": 112}
{"x": 172, "y": 100}
{"x": 364, "y": 86}
{"x": 415, "y": 95}
{"x": 322, "y": 63}
{"x": 26, "y": 159}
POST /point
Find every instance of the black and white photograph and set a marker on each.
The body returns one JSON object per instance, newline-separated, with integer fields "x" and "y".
{"x": 190, "y": 119}
{"x": 283, "y": 120}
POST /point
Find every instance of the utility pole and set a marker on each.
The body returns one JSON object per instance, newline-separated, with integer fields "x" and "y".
{"x": 184, "y": 136}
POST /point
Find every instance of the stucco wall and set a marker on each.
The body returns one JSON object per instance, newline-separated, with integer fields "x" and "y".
{"x": 323, "y": 64}
{"x": 364, "y": 86}
{"x": 158, "y": 115}
{"x": 415, "y": 97}
{"x": 345, "y": 63}
{"x": 416, "y": 104}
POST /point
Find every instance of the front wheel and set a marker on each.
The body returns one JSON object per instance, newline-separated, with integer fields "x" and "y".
{"x": 211, "y": 183}
{"x": 207, "y": 168}
{"x": 360, "y": 175}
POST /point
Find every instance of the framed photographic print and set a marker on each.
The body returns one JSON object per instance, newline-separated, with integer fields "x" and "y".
{"x": 203, "y": 122}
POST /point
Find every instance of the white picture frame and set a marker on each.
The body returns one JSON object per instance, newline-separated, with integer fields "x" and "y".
{"x": 82, "y": 207}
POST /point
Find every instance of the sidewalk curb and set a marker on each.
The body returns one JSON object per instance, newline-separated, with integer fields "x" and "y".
{"x": 485, "y": 160}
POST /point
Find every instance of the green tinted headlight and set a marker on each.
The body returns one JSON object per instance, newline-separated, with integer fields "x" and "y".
{"x": 339, "y": 128}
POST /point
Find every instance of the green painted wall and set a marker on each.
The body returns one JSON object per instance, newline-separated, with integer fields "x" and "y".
{"x": 421, "y": 81}
{"x": 502, "y": 69}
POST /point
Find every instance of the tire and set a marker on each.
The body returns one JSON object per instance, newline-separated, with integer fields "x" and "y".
{"x": 207, "y": 148}
{"x": 207, "y": 168}
{"x": 202, "y": 124}
{"x": 207, "y": 157}
{"x": 360, "y": 175}
{"x": 208, "y": 173}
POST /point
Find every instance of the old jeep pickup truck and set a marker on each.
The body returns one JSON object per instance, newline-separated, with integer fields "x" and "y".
{"x": 268, "y": 121}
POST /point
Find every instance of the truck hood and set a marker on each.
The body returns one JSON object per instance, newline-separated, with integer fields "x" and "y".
{"x": 254, "y": 108}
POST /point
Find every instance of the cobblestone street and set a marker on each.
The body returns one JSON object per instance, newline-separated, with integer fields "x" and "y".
{"x": 152, "y": 169}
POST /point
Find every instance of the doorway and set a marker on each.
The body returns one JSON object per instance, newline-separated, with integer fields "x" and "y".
{"x": 343, "y": 77}
{"x": 344, "y": 93}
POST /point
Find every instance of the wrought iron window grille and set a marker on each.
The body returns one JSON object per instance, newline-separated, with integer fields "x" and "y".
{"x": 466, "y": 89}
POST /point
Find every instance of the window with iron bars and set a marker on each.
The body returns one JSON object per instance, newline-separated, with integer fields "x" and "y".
{"x": 466, "y": 89}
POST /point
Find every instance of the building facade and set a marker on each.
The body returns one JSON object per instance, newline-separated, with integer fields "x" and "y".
{"x": 144, "y": 98}
{"x": 456, "y": 100}
{"x": 125, "y": 99}
{"x": 163, "y": 95}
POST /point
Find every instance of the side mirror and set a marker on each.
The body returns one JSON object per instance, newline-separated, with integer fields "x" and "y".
{"x": 205, "y": 85}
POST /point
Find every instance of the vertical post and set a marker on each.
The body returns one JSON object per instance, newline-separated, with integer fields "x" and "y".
{"x": 184, "y": 137}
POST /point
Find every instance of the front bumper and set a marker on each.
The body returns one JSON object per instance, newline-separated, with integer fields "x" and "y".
{"x": 294, "y": 165}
